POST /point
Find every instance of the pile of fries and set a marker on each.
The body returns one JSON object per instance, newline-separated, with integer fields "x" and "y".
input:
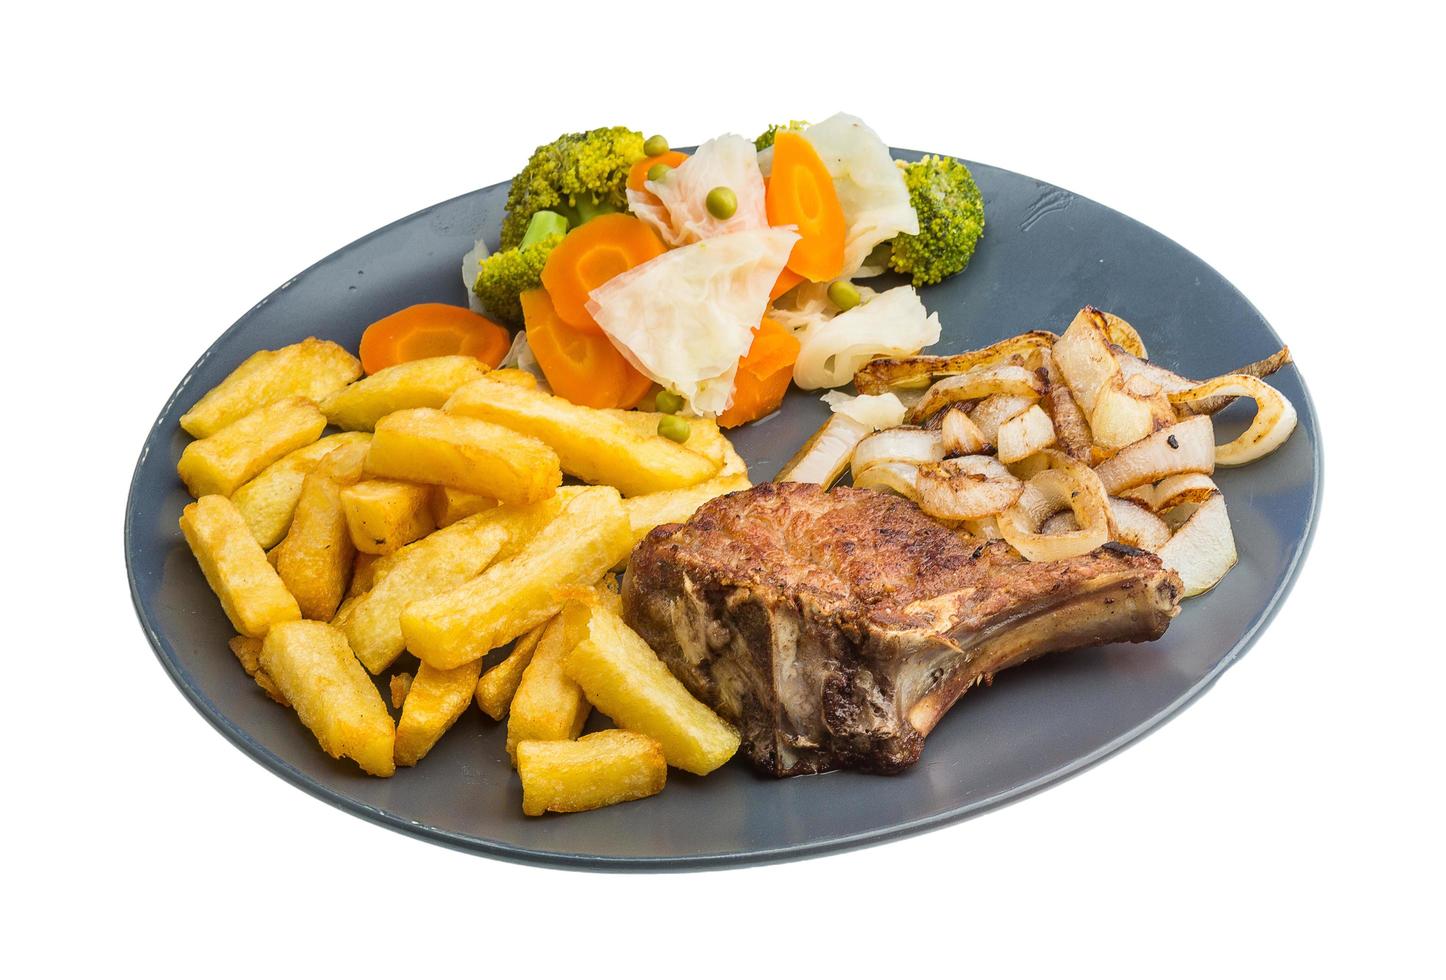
{"x": 437, "y": 522}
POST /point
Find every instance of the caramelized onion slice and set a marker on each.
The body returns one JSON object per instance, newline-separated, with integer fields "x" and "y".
{"x": 883, "y": 373}
{"x": 961, "y": 436}
{"x": 1171, "y": 492}
{"x": 1124, "y": 336}
{"x": 994, "y": 411}
{"x": 966, "y": 488}
{"x": 899, "y": 478}
{"x": 905, "y": 444}
{"x": 1084, "y": 357}
{"x": 980, "y": 382}
{"x": 1273, "y": 423}
{"x": 1185, "y": 447}
{"x": 1134, "y": 525}
{"x": 1024, "y": 435}
{"x": 1067, "y": 484}
{"x": 1202, "y": 549}
{"x": 826, "y": 455}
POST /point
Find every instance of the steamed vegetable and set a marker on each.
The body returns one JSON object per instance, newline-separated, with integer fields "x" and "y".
{"x": 951, "y": 219}
{"x": 801, "y": 193}
{"x": 431, "y": 330}
{"x": 503, "y": 276}
{"x": 591, "y": 255}
{"x": 766, "y": 138}
{"x": 577, "y": 175}
{"x": 677, "y": 205}
{"x": 582, "y": 367}
{"x": 763, "y": 375}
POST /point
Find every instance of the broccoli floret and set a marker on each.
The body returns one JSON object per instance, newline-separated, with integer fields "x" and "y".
{"x": 765, "y": 139}
{"x": 578, "y": 175}
{"x": 503, "y": 276}
{"x": 951, "y": 219}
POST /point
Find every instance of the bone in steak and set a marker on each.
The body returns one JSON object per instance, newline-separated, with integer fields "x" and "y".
{"x": 836, "y": 628}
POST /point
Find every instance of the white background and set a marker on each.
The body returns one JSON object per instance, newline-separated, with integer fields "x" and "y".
{"x": 165, "y": 168}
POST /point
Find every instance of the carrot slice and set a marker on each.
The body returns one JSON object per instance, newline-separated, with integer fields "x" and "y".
{"x": 589, "y": 256}
{"x": 800, "y": 192}
{"x": 763, "y": 374}
{"x": 639, "y": 173}
{"x": 584, "y": 368}
{"x": 432, "y": 330}
{"x": 787, "y": 279}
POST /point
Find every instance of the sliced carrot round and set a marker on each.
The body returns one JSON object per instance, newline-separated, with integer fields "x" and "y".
{"x": 639, "y": 172}
{"x": 585, "y": 368}
{"x": 763, "y": 374}
{"x": 589, "y": 256}
{"x": 432, "y": 330}
{"x": 801, "y": 192}
{"x": 787, "y": 279}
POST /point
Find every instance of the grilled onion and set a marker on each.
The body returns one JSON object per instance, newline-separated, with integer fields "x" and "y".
{"x": 905, "y": 444}
{"x": 824, "y": 457}
{"x": 1025, "y": 434}
{"x": 980, "y": 382}
{"x": 1124, "y": 336}
{"x": 995, "y": 410}
{"x": 1134, "y": 525}
{"x": 899, "y": 478}
{"x": 1171, "y": 492}
{"x": 1068, "y": 484}
{"x": 1185, "y": 447}
{"x": 1170, "y": 382}
{"x": 966, "y": 488}
{"x": 1202, "y": 549}
{"x": 884, "y": 373}
{"x": 1273, "y": 423}
{"x": 1084, "y": 357}
{"x": 1070, "y": 426}
{"x": 986, "y": 528}
{"x": 1128, "y": 409}
{"x": 961, "y": 436}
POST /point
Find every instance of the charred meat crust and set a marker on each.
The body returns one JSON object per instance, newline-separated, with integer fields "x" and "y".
{"x": 836, "y": 628}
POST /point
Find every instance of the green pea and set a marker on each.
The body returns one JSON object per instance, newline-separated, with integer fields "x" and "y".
{"x": 844, "y": 294}
{"x": 656, "y": 146}
{"x": 667, "y": 401}
{"x": 722, "y": 203}
{"x": 674, "y": 428}
{"x": 658, "y": 171}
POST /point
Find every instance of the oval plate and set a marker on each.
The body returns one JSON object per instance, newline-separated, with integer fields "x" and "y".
{"x": 1046, "y": 253}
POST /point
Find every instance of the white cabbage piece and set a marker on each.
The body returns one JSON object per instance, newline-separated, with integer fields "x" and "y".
{"x": 686, "y": 317}
{"x": 675, "y": 206}
{"x": 878, "y": 411}
{"x": 893, "y": 323}
{"x": 807, "y": 303}
{"x": 870, "y": 188}
{"x": 520, "y": 356}
{"x": 471, "y": 264}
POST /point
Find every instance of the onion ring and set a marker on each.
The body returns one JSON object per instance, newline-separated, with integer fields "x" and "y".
{"x": 966, "y": 488}
{"x": 1024, "y": 435}
{"x": 961, "y": 436}
{"x": 1273, "y": 423}
{"x": 980, "y": 382}
{"x": 1202, "y": 549}
{"x": 884, "y": 373}
{"x": 904, "y": 444}
{"x": 899, "y": 478}
{"x": 826, "y": 455}
{"x": 1185, "y": 447}
{"x": 1067, "y": 484}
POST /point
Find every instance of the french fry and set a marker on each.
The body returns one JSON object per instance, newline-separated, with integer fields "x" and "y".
{"x": 383, "y": 515}
{"x": 363, "y": 574}
{"x": 496, "y": 687}
{"x": 423, "y": 383}
{"x": 675, "y": 506}
{"x": 248, "y": 650}
{"x": 514, "y": 376}
{"x": 622, "y": 677}
{"x": 235, "y": 567}
{"x": 399, "y": 685}
{"x": 221, "y": 462}
{"x": 591, "y": 444}
{"x": 589, "y": 537}
{"x": 450, "y": 506}
{"x": 311, "y": 369}
{"x": 434, "y": 702}
{"x": 424, "y": 445}
{"x": 433, "y": 565}
{"x": 315, "y": 557}
{"x": 704, "y": 436}
{"x": 268, "y": 499}
{"x": 547, "y": 704}
{"x": 596, "y": 770}
{"x": 332, "y": 694}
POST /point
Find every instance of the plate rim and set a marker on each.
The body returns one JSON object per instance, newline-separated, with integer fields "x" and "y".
{"x": 577, "y": 861}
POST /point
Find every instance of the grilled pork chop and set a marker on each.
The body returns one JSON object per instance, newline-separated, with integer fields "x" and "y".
{"x": 836, "y": 628}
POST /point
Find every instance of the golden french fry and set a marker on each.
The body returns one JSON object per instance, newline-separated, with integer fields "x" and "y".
{"x": 434, "y": 702}
{"x": 424, "y": 445}
{"x": 268, "y": 499}
{"x": 675, "y": 506}
{"x": 596, "y": 770}
{"x": 334, "y": 697}
{"x": 235, "y": 567}
{"x": 400, "y": 684}
{"x": 248, "y": 650}
{"x": 514, "y": 376}
{"x": 587, "y": 538}
{"x": 591, "y": 444}
{"x": 496, "y": 687}
{"x": 433, "y": 565}
{"x": 449, "y": 506}
{"x": 383, "y": 515}
{"x": 221, "y": 462}
{"x": 315, "y": 557}
{"x": 423, "y": 383}
{"x": 311, "y": 369}
{"x": 622, "y": 677}
{"x": 547, "y": 704}
{"x": 363, "y": 574}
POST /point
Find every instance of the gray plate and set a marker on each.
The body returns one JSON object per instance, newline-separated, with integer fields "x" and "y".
{"x": 1046, "y": 253}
